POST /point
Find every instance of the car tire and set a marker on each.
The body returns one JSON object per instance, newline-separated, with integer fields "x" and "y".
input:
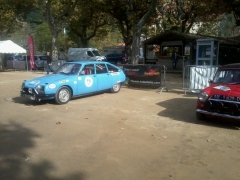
{"x": 116, "y": 88}
{"x": 63, "y": 95}
{"x": 200, "y": 116}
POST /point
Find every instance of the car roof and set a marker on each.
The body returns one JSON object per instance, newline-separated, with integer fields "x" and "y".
{"x": 233, "y": 65}
{"x": 87, "y": 62}
{"x": 116, "y": 53}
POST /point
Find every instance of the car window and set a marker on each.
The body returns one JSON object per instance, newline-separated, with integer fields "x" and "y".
{"x": 101, "y": 69}
{"x": 75, "y": 69}
{"x": 96, "y": 53}
{"x": 112, "y": 68}
{"x": 68, "y": 68}
{"x": 227, "y": 76}
{"x": 88, "y": 69}
{"x": 44, "y": 58}
{"x": 89, "y": 53}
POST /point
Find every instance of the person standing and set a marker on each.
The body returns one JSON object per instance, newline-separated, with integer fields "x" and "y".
{"x": 49, "y": 63}
{"x": 174, "y": 58}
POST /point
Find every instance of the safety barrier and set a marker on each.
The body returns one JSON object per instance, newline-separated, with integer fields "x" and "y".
{"x": 147, "y": 76}
{"x": 22, "y": 65}
{"x": 196, "y": 78}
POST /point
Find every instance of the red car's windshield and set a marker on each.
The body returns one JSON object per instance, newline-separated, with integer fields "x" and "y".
{"x": 227, "y": 76}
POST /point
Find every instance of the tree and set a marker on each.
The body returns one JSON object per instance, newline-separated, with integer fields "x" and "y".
{"x": 58, "y": 13}
{"x": 42, "y": 38}
{"x": 137, "y": 32}
{"x": 126, "y": 13}
{"x": 181, "y": 15}
{"x": 88, "y": 22}
{"x": 12, "y": 15}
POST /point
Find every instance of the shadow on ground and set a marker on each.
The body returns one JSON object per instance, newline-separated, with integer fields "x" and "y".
{"x": 15, "y": 141}
{"x": 183, "y": 109}
{"x": 28, "y": 102}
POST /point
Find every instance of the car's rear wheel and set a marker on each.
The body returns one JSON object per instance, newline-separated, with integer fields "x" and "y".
{"x": 63, "y": 95}
{"x": 116, "y": 88}
{"x": 200, "y": 116}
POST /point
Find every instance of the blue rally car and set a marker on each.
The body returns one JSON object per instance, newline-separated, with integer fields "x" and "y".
{"x": 74, "y": 79}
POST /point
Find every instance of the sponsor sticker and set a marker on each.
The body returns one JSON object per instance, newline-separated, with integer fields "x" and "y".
{"x": 63, "y": 81}
{"x": 52, "y": 86}
{"x": 88, "y": 81}
{"x": 223, "y": 88}
{"x": 35, "y": 82}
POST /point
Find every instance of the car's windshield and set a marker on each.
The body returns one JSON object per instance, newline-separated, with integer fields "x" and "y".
{"x": 96, "y": 53}
{"x": 69, "y": 69}
{"x": 227, "y": 76}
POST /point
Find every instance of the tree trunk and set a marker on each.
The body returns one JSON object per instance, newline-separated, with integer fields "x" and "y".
{"x": 54, "y": 45}
{"x": 136, "y": 44}
{"x": 137, "y": 32}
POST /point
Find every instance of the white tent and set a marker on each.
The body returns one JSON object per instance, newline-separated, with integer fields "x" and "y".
{"x": 10, "y": 47}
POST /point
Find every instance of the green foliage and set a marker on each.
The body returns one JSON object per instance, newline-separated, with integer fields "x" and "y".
{"x": 181, "y": 15}
{"x": 35, "y": 17}
{"x": 101, "y": 23}
{"x": 88, "y": 22}
{"x": 12, "y": 15}
{"x": 42, "y": 38}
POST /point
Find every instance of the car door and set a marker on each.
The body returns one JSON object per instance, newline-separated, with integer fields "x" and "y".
{"x": 103, "y": 76}
{"x": 87, "y": 80}
{"x": 115, "y": 73}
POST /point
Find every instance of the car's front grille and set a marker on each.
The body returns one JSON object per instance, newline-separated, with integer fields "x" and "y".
{"x": 29, "y": 91}
{"x": 223, "y": 107}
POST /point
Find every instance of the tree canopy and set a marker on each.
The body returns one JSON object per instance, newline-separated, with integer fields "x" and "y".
{"x": 85, "y": 21}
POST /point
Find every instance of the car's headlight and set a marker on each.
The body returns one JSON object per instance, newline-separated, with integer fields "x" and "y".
{"x": 40, "y": 89}
{"x": 203, "y": 96}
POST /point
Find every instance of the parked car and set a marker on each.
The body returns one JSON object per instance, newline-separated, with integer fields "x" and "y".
{"x": 39, "y": 61}
{"x": 116, "y": 58}
{"x": 74, "y": 79}
{"x": 222, "y": 98}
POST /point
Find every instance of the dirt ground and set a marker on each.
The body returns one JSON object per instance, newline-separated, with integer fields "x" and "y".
{"x": 135, "y": 134}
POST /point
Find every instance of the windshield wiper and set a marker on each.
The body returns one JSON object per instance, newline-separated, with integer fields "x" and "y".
{"x": 234, "y": 83}
{"x": 62, "y": 73}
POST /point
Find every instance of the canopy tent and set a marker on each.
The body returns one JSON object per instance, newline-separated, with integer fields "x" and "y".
{"x": 10, "y": 47}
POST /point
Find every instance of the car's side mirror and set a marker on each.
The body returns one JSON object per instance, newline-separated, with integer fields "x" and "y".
{"x": 210, "y": 81}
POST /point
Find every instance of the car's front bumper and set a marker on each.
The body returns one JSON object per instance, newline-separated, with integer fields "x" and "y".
{"x": 36, "y": 97}
{"x": 215, "y": 114}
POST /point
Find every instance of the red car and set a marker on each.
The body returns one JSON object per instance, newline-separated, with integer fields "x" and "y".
{"x": 222, "y": 98}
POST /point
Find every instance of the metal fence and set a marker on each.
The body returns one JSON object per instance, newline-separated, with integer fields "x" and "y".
{"x": 163, "y": 78}
{"x": 23, "y": 65}
{"x": 196, "y": 78}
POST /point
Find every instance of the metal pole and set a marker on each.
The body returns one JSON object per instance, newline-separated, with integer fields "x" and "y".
{"x": 26, "y": 62}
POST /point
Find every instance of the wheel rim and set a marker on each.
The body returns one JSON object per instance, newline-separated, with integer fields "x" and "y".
{"x": 64, "y": 95}
{"x": 116, "y": 87}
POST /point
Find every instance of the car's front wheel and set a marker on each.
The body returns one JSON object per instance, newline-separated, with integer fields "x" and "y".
{"x": 200, "y": 116}
{"x": 63, "y": 95}
{"x": 116, "y": 88}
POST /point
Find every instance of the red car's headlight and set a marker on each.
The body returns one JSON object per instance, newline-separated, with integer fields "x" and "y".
{"x": 203, "y": 96}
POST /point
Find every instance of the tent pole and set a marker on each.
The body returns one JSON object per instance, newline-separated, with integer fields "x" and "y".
{"x": 26, "y": 62}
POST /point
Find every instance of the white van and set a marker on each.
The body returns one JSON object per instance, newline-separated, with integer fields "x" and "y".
{"x": 85, "y": 54}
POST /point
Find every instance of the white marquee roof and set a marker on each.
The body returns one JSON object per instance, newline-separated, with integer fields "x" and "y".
{"x": 10, "y": 47}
